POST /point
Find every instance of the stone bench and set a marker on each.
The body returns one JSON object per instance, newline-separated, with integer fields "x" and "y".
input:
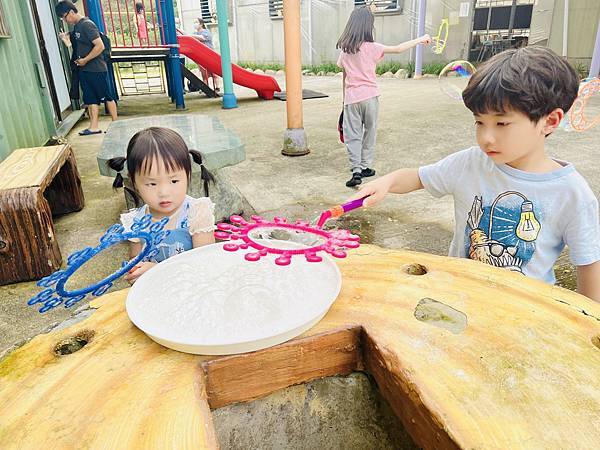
{"x": 35, "y": 184}
{"x": 219, "y": 146}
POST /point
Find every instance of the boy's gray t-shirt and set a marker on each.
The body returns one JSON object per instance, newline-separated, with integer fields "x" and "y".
{"x": 86, "y": 31}
{"x": 533, "y": 215}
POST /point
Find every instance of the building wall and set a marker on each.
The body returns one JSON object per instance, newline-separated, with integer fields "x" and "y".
{"x": 256, "y": 37}
{"x": 583, "y": 23}
{"x": 26, "y": 117}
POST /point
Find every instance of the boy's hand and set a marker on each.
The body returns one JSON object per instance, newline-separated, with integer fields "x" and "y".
{"x": 138, "y": 270}
{"x": 425, "y": 39}
{"x": 81, "y": 62}
{"x": 588, "y": 280}
{"x": 375, "y": 191}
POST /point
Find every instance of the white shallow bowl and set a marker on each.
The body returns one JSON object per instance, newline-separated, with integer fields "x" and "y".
{"x": 208, "y": 301}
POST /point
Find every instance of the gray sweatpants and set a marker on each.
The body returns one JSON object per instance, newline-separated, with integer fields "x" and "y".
{"x": 360, "y": 130}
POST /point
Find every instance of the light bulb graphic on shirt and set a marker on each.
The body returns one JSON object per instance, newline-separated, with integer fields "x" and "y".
{"x": 528, "y": 227}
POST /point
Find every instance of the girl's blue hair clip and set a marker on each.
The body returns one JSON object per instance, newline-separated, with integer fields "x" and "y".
{"x": 55, "y": 293}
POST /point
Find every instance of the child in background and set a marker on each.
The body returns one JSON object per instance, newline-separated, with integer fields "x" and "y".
{"x": 515, "y": 207}
{"x": 142, "y": 26}
{"x": 205, "y": 36}
{"x": 159, "y": 167}
{"x": 358, "y": 60}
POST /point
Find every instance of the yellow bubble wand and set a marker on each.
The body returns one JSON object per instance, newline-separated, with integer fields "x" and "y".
{"x": 439, "y": 44}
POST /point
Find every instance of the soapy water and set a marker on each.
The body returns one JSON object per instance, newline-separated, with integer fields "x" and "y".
{"x": 305, "y": 238}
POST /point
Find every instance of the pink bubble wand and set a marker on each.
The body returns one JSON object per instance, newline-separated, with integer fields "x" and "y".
{"x": 334, "y": 242}
{"x": 337, "y": 211}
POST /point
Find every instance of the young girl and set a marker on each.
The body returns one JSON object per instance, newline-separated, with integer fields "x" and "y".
{"x": 142, "y": 26}
{"x": 358, "y": 59}
{"x": 159, "y": 167}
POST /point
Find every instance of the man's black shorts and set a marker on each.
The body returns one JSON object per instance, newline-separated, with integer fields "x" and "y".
{"x": 95, "y": 87}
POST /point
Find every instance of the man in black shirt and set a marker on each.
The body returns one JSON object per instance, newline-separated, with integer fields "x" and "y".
{"x": 93, "y": 72}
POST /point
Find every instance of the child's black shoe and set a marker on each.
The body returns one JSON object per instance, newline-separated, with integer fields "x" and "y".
{"x": 367, "y": 172}
{"x": 355, "y": 180}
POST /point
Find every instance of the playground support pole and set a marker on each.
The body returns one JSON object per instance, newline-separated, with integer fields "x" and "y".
{"x": 95, "y": 14}
{"x": 174, "y": 62}
{"x": 295, "y": 142}
{"x": 229, "y": 99}
{"x": 595, "y": 66}
{"x": 565, "y": 40}
{"x": 420, "y": 32}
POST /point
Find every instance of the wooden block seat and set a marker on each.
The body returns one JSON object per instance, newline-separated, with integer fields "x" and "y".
{"x": 35, "y": 184}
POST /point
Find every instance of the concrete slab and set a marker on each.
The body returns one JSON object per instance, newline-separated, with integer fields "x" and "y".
{"x": 219, "y": 146}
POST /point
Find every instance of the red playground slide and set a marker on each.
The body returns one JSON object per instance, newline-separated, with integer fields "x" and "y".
{"x": 264, "y": 85}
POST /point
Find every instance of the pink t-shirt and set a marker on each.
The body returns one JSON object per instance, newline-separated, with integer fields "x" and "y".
{"x": 361, "y": 83}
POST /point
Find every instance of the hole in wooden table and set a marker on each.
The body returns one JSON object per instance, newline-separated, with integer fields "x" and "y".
{"x": 74, "y": 343}
{"x": 596, "y": 341}
{"x": 415, "y": 269}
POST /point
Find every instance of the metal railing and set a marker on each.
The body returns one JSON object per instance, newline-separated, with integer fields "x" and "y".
{"x": 133, "y": 23}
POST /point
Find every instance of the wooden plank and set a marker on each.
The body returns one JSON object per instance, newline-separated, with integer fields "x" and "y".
{"x": 27, "y": 167}
{"x": 248, "y": 376}
{"x": 424, "y": 426}
{"x": 521, "y": 371}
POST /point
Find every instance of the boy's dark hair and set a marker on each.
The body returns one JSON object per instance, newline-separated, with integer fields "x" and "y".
{"x": 359, "y": 28}
{"x": 63, "y": 7}
{"x": 150, "y": 145}
{"x": 201, "y": 22}
{"x": 532, "y": 80}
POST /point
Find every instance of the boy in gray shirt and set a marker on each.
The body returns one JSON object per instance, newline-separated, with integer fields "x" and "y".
{"x": 515, "y": 207}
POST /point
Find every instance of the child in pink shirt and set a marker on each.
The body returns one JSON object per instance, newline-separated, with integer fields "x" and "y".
{"x": 358, "y": 59}
{"x": 142, "y": 25}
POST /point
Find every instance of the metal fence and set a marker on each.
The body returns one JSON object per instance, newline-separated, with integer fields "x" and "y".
{"x": 133, "y": 23}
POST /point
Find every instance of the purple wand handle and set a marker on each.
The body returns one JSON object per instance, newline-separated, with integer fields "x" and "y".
{"x": 353, "y": 204}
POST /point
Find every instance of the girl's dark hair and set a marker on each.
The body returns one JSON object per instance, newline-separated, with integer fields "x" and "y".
{"x": 63, "y": 7}
{"x": 201, "y": 22}
{"x": 359, "y": 28}
{"x": 148, "y": 146}
{"x": 532, "y": 80}
{"x": 139, "y": 7}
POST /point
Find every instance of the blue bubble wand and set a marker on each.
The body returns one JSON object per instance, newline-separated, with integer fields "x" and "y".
{"x": 55, "y": 294}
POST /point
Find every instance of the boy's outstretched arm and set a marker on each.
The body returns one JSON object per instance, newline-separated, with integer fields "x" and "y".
{"x": 401, "y": 181}
{"x": 588, "y": 280}
{"x": 425, "y": 39}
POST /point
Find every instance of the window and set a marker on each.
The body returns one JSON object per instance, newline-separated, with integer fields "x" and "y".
{"x": 382, "y": 6}
{"x": 275, "y": 9}
{"x": 208, "y": 11}
{"x": 205, "y": 12}
{"x": 4, "y": 32}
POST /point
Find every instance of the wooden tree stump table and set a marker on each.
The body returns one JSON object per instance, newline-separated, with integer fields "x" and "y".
{"x": 467, "y": 355}
{"x": 35, "y": 184}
